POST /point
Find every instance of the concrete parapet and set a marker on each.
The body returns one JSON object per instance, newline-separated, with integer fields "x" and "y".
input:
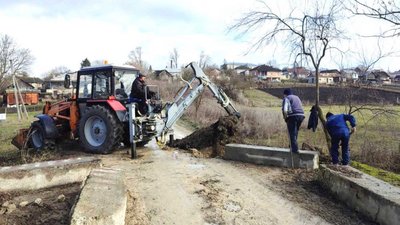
{"x": 372, "y": 197}
{"x": 271, "y": 156}
{"x": 102, "y": 200}
{"x": 46, "y": 174}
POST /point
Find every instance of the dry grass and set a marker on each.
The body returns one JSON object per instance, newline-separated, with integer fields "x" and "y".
{"x": 375, "y": 143}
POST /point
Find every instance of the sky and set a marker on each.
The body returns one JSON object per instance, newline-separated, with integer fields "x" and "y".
{"x": 65, "y": 32}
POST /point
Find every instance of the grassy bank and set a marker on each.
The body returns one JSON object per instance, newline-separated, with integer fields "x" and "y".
{"x": 9, "y": 129}
{"x": 376, "y": 141}
{"x": 387, "y": 176}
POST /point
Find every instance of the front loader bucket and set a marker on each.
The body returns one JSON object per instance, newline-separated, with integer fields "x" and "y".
{"x": 20, "y": 139}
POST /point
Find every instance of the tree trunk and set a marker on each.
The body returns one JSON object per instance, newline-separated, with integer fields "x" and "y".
{"x": 320, "y": 113}
{"x": 323, "y": 122}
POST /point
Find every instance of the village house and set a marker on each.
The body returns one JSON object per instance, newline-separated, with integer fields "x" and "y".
{"x": 378, "y": 76}
{"x": 164, "y": 74}
{"x": 234, "y": 65}
{"x": 54, "y": 86}
{"x": 168, "y": 73}
{"x": 29, "y": 88}
{"x": 35, "y": 82}
{"x": 350, "y": 75}
{"x": 396, "y": 79}
{"x": 296, "y": 72}
{"x": 267, "y": 73}
{"x": 327, "y": 77}
{"x": 243, "y": 70}
{"x": 395, "y": 76}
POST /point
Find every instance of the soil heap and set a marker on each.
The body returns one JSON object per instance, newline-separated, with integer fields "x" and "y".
{"x": 212, "y": 139}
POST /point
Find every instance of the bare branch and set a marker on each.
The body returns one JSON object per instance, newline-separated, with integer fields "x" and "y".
{"x": 174, "y": 58}
{"x": 13, "y": 57}
{"x": 387, "y": 11}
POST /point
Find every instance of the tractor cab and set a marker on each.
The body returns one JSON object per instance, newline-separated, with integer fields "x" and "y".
{"x": 102, "y": 82}
{"x": 105, "y": 82}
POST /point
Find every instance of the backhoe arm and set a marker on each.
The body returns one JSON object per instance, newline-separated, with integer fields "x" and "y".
{"x": 187, "y": 95}
{"x": 219, "y": 94}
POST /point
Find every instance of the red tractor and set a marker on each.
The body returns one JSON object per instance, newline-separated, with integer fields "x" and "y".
{"x": 102, "y": 116}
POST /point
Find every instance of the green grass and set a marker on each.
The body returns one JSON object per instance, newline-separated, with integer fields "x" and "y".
{"x": 261, "y": 99}
{"x": 384, "y": 175}
{"x": 9, "y": 129}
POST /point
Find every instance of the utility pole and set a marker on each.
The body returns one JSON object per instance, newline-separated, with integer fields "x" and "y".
{"x": 17, "y": 94}
{"x": 16, "y": 97}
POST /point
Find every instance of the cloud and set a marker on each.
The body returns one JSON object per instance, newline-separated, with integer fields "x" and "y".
{"x": 63, "y": 33}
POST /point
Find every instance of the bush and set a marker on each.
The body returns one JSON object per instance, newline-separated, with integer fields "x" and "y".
{"x": 377, "y": 154}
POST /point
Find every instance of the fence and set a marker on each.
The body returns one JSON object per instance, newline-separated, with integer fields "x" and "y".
{"x": 29, "y": 108}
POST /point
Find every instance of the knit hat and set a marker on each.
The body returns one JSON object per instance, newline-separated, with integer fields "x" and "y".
{"x": 142, "y": 75}
{"x": 287, "y": 91}
{"x": 328, "y": 114}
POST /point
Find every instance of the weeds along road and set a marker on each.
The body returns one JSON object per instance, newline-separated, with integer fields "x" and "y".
{"x": 185, "y": 190}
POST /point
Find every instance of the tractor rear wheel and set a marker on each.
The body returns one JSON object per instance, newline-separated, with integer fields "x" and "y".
{"x": 99, "y": 130}
{"x": 38, "y": 140}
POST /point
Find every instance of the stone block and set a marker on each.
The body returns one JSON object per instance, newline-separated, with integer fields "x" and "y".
{"x": 271, "y": 156}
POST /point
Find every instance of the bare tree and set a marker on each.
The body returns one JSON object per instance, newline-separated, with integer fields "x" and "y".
{"x": 60, "y": 70}
{"x": 135, "y": 59}
{"x": 309, "y": 34}
{"x": 204, "y": 60}
{"x": 13, "y": 58}
{"x": 385, "y": 10}
{"x": 174, "y": 58}
{"x": 367, "y": 61}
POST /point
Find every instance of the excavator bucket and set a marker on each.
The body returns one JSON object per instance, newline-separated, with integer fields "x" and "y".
{"x": 20, "y": 139}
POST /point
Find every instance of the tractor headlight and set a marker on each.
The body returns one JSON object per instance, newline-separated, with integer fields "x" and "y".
{"x": 152, "y": 128}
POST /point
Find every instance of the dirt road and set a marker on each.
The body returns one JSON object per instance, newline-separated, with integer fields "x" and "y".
{"x": 169, "y": 188}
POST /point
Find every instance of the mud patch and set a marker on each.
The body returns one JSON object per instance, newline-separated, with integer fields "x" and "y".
{"x": 136, "y": 212}
{"x": 345, "y": 171}
{"x": 211, "y": 194}
{"x": 302, "y": 187}
{"x": 45, "y": 206}
{"x": 210, "y": 141}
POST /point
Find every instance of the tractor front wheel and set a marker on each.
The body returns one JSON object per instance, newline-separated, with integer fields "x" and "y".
{"x": 99, "y": 130}
{"x": 38, "y": 140}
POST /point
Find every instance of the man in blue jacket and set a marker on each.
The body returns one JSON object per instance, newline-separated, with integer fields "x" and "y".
{"x": 293, "y": 114}
{"x": 339, "y": 131}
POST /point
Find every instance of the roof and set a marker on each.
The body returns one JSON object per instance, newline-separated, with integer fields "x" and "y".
{"x": 169, "y": 71}
{"x": 8, "y": 83}
{"x": 329, "y": 71}
{"x": 31, "y": 80}
{"x": 265, "y": 68}
{"x": 61, "y": 77}
{"x": 380, "y": 73}
{"x": 158, "y": 72}
{"x": 298, "y": 70}
{"x": 108, "y": 66}
{"x": 242, "y": 67}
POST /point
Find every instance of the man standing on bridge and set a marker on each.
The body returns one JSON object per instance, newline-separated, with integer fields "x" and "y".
{"x": 339, "y": 131}
{"x": 293, "y": 114}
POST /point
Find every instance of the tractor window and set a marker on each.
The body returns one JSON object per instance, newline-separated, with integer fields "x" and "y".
{"x": 85, "y": 86}
{"x": 124, "y": 80}
{"x": 102, "y": 86}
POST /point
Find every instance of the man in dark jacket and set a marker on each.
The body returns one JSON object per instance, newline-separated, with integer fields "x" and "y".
{"x": 293, "y": 114}
{"x": 138, "y": 91}
{"x": 339, "y": 131}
